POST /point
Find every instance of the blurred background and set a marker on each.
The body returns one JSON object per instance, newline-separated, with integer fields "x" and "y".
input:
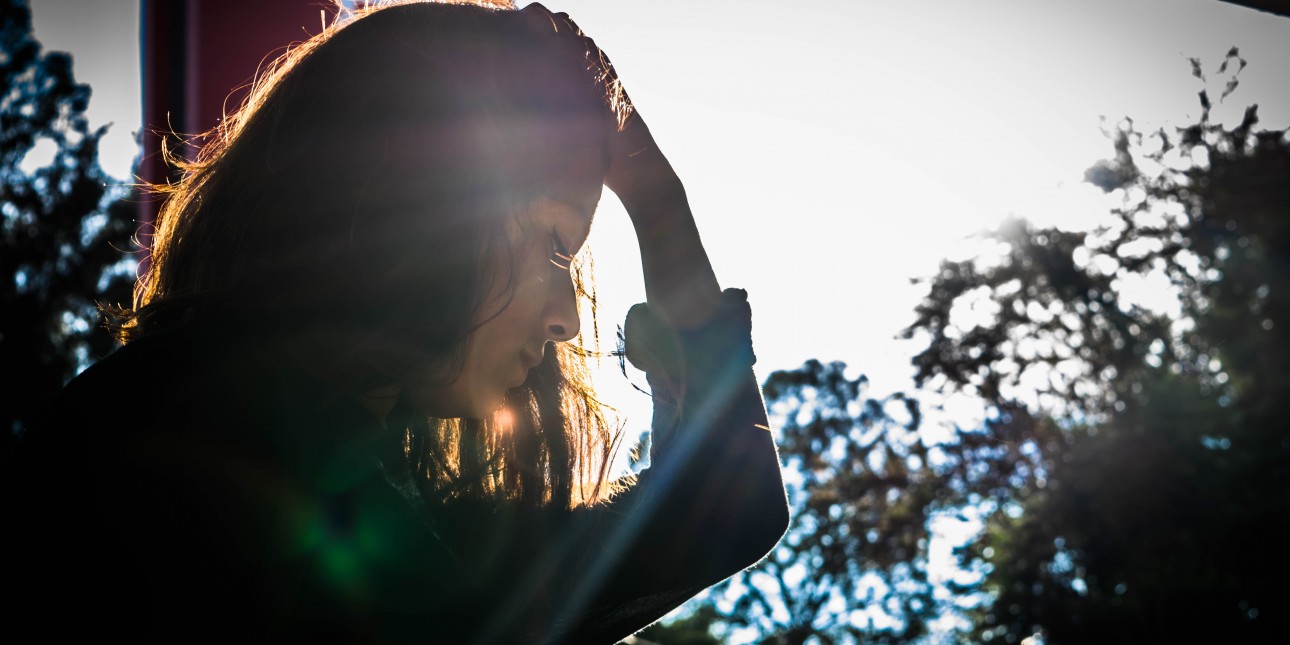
{"x": 1019, "y": 272}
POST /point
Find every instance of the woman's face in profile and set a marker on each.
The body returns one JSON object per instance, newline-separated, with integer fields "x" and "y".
{"x": 516, "y": 324}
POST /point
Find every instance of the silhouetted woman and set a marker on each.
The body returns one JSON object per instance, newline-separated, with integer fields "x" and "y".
{"x": 351, "y": 404}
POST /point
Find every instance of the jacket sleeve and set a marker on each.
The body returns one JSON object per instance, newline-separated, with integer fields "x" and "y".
{"x": 711, "y": 502}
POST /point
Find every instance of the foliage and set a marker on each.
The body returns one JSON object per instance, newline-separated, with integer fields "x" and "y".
{"x": 860, "y": 487}
{"x": 1134, "y": 466}
{"x": 865, "y": 485}
{"x": 62, "y": 228}
{"x": 694, "y": 628}
{"x": 1155, "y": 433}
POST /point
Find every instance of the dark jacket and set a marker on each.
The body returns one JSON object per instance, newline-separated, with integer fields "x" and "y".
{"x": 186, "y": 489}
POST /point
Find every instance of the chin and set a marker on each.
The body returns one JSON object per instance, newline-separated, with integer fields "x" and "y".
{"x": 485, "y": 407}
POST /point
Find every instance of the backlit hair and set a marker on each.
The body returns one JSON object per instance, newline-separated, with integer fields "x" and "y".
{"x": 353, "y": 211}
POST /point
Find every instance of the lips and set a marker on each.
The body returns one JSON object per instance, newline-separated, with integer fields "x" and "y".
{"x": 530, "y": 360}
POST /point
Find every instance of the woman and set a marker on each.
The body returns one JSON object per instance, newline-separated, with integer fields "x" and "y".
{"x": 365, "y": 417}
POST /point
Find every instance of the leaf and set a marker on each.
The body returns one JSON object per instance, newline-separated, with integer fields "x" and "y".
{"x": 1229, "y": 88}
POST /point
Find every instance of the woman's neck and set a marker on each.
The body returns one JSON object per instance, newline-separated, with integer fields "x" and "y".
{"x": 380, "y": 400}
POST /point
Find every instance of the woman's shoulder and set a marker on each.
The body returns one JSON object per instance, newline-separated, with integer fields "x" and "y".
{"x": 118, "y": 393}
{"x": 158, "y": 383}
{"x": 161, "y": 400}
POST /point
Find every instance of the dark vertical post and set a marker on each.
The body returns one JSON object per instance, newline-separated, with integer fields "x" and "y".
{"x": 199, "y": 57}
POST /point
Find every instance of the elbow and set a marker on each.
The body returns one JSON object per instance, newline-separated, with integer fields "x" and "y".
{"x": 759, "y": 514}
{"x": 769, "y": 525}
{"x": 780, "y": 519}
{"x": 756, "y": 532}
{"x": 767, "y": 517}
{"x": 752, "y": 547}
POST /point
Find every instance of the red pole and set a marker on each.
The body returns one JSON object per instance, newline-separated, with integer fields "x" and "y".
{"x": 199, "y": 57}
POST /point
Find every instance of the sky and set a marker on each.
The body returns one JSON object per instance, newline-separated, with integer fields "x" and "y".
{"x": 834, "y": 150}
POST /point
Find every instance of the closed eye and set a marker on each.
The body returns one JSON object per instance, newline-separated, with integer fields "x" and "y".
{"x": 560, "y": 257}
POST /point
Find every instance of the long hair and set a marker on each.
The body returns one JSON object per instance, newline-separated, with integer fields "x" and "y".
{"x": 354, "y": 211}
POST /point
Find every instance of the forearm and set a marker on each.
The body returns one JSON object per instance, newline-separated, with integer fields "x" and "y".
{"x": 717, "y": 446}
{"x": 679, "y": 280}
{"x": 680, "y": 284}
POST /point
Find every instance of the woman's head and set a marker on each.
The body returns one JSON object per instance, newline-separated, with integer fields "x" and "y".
{"x": 387, "y": 206}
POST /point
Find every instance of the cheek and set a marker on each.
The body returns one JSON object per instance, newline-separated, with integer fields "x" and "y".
{"x": 521, "y": 320}
{"x": 494, "y": 356}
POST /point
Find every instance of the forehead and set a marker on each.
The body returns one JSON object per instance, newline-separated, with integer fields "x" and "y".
{"x": 579, "y": 183}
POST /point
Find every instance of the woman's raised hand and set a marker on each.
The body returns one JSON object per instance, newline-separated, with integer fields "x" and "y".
{"x": 679, "y": 282}
{"x": 639, "y": 173}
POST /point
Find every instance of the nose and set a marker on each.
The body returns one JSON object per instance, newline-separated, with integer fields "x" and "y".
{"x": 561, "y": 315}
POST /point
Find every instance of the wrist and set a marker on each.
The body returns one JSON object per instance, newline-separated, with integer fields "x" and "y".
{"x": 650, "y": 191}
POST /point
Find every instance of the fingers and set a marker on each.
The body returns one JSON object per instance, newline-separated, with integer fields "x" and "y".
{"x": 561, "y": 31}
{"x": 542, "y": 19}
{"x": 570, "y": 35}
{"x": 539, "y": 18}
{"x": 638, "y": 172}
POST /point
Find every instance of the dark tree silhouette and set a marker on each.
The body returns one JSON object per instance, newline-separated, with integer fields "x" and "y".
{"x": 861, "y": 492}
{"x": 64, "y": 230}
{"x": 1278, "y": 7}
{"x": 865, "y": 488}
{"x": 694, "y": 628}
{"x": 1133, "y": 467}
{"x": 1159, "y": 459}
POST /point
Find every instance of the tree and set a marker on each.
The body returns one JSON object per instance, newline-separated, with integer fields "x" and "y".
{"x": 865, "y": 487}
{"x": 854, "y": 562}
{"x": 1157, "y": 462}
{"x": 1133, "y": 468}
{"x": 64, "y": 231}
{"x": 1277, "y": 7}
{"x": 694, "y": 628}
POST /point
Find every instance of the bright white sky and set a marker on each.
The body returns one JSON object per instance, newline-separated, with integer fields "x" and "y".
{"x": 835, "y": 149}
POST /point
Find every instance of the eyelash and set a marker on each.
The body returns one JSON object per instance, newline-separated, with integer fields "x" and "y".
{"x": 560, "y": 257}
